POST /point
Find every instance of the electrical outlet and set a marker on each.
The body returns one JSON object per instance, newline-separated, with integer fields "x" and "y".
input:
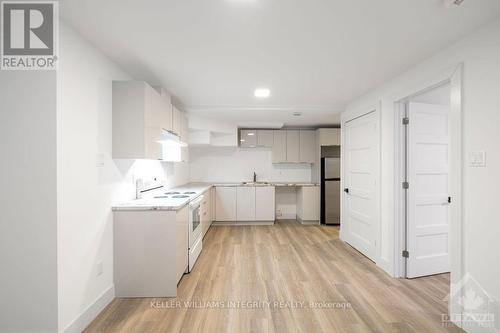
{"x": 278, "y": 212}
{"x": 99, "y": 268}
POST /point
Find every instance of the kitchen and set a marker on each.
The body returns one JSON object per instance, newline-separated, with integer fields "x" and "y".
{"x": 147, "y": 126}
{"x": 177, "y": 155}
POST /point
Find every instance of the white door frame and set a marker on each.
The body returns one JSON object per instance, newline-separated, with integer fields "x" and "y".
{"x": 346, "y": 117}
{"x": 455, "y": 78}
{"x": 400, "y": 156}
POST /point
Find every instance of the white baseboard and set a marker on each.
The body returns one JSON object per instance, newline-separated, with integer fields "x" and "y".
{"x": 241, "y": 223}
{"x": 91, "y": 312}
{"x": 287, "y": 216}
{"x": 301, "y": 221}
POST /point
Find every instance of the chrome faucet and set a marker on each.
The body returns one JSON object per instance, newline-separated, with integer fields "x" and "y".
{"x": 254, "y": 177}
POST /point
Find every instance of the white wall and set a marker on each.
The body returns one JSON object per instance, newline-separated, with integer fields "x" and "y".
{"x": 480, "y": 54}
{"x": 86, "y": 192}
{"x": 28, "y": 215}
{"x": 227, "y": 164}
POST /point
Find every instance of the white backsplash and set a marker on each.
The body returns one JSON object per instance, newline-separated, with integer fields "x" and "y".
{"x": 226, "y": 164}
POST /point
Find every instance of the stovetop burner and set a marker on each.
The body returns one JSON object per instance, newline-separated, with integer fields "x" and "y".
{"x": 173, "y": 193}
{"x": 189, "y": 192}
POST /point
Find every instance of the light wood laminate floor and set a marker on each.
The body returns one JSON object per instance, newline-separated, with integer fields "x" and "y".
{"x": 275, "y": 272}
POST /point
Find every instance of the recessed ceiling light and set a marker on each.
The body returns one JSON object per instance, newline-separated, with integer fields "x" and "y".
{"x": 251, "y": 134}
{"x": 262, "y": 93}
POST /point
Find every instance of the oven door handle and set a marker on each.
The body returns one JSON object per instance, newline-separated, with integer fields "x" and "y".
{"x": 196, "y": 202}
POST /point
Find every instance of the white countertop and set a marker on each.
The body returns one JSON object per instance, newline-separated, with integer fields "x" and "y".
{"x": 151, "y": 202}
{"x": 169, "y": 203}
{"x": 279, "y": 184}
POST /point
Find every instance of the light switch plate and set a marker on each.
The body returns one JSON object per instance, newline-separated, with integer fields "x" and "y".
{"x": 477, "y": 159}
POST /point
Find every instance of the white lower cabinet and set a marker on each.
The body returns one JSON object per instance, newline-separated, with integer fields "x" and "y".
{"x": 245, "y": 203}
{"x": 182, "y": 241}
{"x": 265, "y": 203}
{"x": 150, "y": 250}
{"x": 308, "y": 205}
{"x": 225, "y": 203}
{"x": 206, "y": 211}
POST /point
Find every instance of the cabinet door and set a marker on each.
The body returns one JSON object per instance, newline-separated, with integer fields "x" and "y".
{"x": 206, "y": 212}
{"x": 152, "y": 148}
{"x": 152, "y": 107}
{"x": 309, "y": 203}
{"x": 293, "y": 146}
{"x": 329, "y": 136}
{"x": 307, "y": 146}
{"x": 265, "y": 138}
{"x": 248, "y": 138}
{"x": 245, "y": 207}
{"x": 182, "y": 227}
{"x": 265, "y": 203}
{"x": 176, "y": 121}
{"x": 225, "y": 204}
{"x": 165, "y": 116}
{"x": 279, "y": 146}
{"x": 184, "y": 128}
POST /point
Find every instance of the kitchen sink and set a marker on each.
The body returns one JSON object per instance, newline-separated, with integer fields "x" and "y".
{"x": 255, "y": 183}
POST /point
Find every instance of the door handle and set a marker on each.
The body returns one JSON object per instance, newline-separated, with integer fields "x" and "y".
{"x": 346, "y": 190}
{"x": 449, "y": 200}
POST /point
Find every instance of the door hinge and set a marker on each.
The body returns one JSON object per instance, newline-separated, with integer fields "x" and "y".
{"x": 406, "y": 121}
{"x": 406, "y": 185}
{"x": 406, "y": 254}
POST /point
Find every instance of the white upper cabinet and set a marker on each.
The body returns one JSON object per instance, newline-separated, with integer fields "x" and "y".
{"x": 329, "y": 136}
{"x": 184, "y": 132}
{"x": 248, "y": 138}
{"x": 176, "y": 121}
{"x": 279, "y": 146}
{"x": 265, "y": 138}
{"x": 288, "y": 146}
{"x": 165, "y": 116}
{"x": 137, "y": 126}
{"x": 307, "y": 149}
{"x": 293, "y": 146}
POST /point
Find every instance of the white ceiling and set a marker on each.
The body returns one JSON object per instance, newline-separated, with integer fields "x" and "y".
{"x": 314, "y": 55}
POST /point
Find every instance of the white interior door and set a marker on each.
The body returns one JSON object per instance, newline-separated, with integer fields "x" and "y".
{"x": 360, "y": 222}
{"x": 427, "y": 195}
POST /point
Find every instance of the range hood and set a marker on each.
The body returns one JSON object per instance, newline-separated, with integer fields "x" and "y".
{"x": 171, "y": 139}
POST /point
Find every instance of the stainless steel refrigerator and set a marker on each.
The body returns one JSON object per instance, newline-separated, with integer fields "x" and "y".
{"x": 330, "y": 185}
